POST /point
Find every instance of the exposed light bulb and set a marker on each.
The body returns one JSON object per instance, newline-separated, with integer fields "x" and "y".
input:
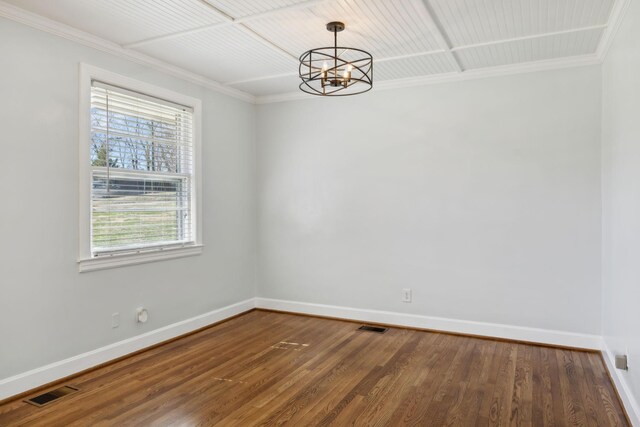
{"x": 323, "y": 73}
{"x": 346, "y": 76}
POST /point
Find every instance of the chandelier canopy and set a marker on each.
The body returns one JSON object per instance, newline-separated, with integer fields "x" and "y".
{"x": 336, "y": 70}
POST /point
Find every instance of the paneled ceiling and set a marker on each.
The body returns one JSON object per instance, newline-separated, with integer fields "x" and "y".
{"x": 253, "y": 45}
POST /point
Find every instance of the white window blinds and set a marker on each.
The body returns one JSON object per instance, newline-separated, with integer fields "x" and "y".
{"x": 141, "y": 172}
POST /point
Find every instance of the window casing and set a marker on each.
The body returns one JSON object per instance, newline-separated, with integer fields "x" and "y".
{"x": 140, "y": 179}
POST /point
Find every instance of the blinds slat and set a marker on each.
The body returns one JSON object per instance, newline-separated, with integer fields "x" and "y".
{"x": 181, "y": 142}
{"x": 118, "y": 110}
{"x": 117, "y": 102}
{"x": 98, "y": 87}
{"x": 103, "y": 172}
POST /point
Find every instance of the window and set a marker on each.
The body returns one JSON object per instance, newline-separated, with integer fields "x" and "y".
{"x": 141, "y": 153}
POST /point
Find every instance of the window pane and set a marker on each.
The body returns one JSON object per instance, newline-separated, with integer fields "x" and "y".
{"x": 137, "y": 143}
{"x": 129, "y": 212}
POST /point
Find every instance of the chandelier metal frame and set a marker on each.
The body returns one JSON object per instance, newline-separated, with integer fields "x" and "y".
{"x": 335, "y": 74}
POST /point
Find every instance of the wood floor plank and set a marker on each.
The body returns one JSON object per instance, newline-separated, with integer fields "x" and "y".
{"x": 594, "y": 417}
{"x": 500, "y": 412}
{"x": 475, "y": 389}
{"x": 572, "y": 398}
{"x": 607, "y": 394}
{"x": 487, "y": 383}
{"x": 542, "y": 392}
{"x": 412, "y": 412}
{"x": 266, "y": 368}
{"x": 521, "y": 402}
{"x": 389, "y": 391}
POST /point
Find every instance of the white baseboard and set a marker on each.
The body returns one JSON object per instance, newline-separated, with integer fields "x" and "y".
{"x": 31, "y": 379}
{"x": 620, "y": 382}
{"x": 521, "y": 333}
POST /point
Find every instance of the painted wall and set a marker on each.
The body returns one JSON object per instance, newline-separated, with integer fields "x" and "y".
{"x": 482, "y": 196}
{"x": 48, "y": 310}
{"x": 621, "y": 198}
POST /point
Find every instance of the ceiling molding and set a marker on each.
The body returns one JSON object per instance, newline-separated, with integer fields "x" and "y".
{"x": 259, "y": 79}
{"x": 503, "y": 70}
{"x": 529, "y": 37}
{"x": 25, "y": 17}
{"x": 441, "y": 37}
{"x": 250, "y": 32}
{"x": 228, "y": 21}
{"x": 618, "y": 12}
{"x": 266, "y": 42}
{"x": 181, "y": 33}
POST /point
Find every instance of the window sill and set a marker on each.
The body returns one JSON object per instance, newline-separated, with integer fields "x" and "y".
{"x": 121, "y": 260}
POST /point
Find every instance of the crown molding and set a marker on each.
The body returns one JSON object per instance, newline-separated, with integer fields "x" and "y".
{"x": 481, "y": 73}
{"x": 620, "y": 8}
{"x": 25, "y": 17}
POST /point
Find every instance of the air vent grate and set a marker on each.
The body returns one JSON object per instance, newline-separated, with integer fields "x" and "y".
{"x": 376, "y": 329}
{"x": 51, "y": 396}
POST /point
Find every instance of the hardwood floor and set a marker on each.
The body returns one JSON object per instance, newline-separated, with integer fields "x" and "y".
{"x": 266, "y": 368}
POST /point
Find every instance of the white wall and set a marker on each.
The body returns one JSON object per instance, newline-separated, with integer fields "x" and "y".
{"x": 48, "y": 310}
{"x": 621, "y": 198}
{"x": 482, "y": 196}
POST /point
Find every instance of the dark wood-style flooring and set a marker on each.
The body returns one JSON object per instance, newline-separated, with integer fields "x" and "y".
{"x": 265, "y": 368}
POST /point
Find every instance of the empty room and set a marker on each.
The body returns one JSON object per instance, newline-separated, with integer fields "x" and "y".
{"x": 320, "y": 212}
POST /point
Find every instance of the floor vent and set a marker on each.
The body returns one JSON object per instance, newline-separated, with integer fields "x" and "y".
{"x": 51, "y": 396}
{"x": 376, "y": 329}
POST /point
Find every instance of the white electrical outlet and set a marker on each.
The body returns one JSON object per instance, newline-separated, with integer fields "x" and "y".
{"x": 115, "y": 320}
{"x": 406, "y": 295}
{"x": 142, "y": 315}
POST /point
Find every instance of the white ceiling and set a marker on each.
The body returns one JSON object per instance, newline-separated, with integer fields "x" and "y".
{"x": 253, "y": 45}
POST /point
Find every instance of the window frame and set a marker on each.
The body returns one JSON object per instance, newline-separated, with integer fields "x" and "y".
{"x": 88, "y": 262}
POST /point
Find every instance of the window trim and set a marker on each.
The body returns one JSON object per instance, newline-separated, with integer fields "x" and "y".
{"x": 87, "y": 262}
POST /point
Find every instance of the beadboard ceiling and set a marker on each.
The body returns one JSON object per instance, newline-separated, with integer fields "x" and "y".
{"x": 252, "y": 46}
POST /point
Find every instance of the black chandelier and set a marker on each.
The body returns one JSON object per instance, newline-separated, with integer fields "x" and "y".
{"x": 336, "y": 71}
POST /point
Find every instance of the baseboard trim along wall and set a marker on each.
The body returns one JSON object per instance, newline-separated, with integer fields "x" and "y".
{"x": 621, "y": 385}
{"x": 467, "y": 327}
{"x": 38, "y": 377}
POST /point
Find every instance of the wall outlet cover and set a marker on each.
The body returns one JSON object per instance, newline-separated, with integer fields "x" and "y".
{"x": 621, "y": 362}
{"x": 115, "y": 320}
{"x": 142, "y": 315}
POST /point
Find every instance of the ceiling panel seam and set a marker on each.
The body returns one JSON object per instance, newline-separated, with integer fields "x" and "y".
{"x": 529, "y": 37}
{"x": 441, "y": 36}
{"x": 253, "y": 34}
{"x": 228, "y": 21}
